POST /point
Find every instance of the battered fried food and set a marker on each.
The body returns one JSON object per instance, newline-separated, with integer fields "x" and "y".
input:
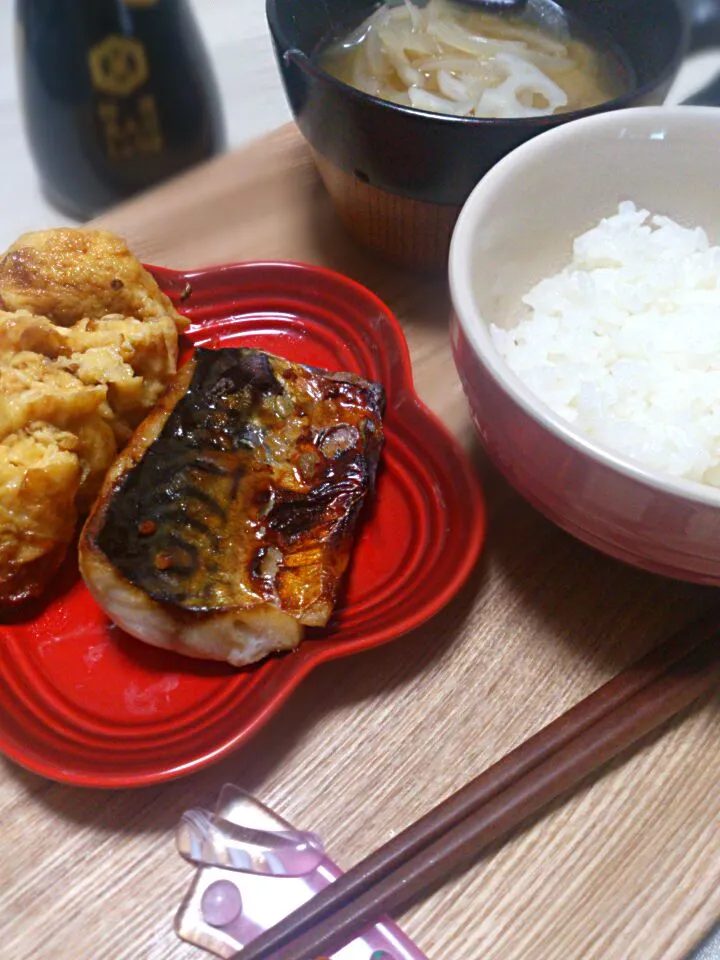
{"x": 69, "y": 275}
{"x": 88, "y": 343}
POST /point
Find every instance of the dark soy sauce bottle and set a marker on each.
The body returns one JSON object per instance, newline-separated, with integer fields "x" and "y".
{"x": 117, "y": 95}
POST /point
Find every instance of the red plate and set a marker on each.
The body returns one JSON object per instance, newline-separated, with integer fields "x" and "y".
{"x": 83, "y": 703}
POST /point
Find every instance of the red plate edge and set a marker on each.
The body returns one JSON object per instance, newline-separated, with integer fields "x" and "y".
{"x": 308, "y": 656}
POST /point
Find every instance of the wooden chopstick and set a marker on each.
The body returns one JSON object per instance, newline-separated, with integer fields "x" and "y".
{"x": 546, "y": 765}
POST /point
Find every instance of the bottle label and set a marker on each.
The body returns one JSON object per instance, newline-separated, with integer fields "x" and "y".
{"x": 127, "y": 113}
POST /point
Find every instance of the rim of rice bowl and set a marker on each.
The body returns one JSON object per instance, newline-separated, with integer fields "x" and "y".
{"x": 460, "y": 271}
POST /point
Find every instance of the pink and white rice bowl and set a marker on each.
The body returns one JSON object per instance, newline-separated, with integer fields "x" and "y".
{"x": 516, "y": 229}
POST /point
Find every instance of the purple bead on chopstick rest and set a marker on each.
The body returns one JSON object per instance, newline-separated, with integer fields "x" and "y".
{"x": 254, "y": 869}
{"x": 221, "y": 903}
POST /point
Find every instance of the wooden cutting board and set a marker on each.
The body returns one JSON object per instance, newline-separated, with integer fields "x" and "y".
{"x": 626, "y": 868}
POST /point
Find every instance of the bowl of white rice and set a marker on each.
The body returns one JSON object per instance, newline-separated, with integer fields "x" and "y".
{"x": 585, "y": 277}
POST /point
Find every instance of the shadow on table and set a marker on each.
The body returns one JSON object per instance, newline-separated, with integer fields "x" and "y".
{"x": 709, "y": 949}
{"x": 596, "y": 609}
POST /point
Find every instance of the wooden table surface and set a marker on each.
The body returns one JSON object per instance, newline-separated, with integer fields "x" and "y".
{"x": 626, "y": 868}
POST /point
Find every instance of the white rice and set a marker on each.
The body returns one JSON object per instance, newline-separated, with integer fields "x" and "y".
{"x": 625, "y": 342}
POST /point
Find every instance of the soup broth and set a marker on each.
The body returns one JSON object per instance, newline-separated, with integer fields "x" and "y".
{"x": 451, "y": 59}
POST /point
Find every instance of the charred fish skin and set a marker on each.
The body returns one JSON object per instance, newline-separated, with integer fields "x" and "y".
{"x": 249, "y": 494}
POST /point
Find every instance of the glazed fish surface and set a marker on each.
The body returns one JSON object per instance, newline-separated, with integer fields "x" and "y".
{"x": 88, "y": 343}
{"x": 225, "y": 526}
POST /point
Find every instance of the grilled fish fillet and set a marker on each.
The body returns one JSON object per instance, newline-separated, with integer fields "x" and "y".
{"x": 226, "y": 524}
{"x": 88, "y": 343}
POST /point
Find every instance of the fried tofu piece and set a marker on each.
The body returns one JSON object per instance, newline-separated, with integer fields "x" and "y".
{"x": 88, "y": 343}
{"x": 135, "y": 359}
{"x": 56, "y": 443}
{"x": 40, "y": 473}
{"x": 73, "y": 274}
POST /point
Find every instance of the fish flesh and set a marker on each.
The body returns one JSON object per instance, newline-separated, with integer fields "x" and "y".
{"x": 226, "y": 524}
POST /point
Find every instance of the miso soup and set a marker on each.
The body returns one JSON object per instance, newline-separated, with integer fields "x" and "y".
{"x": 451, "y": 59}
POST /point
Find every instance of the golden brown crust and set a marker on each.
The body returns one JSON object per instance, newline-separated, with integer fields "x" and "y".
{"x": 39, "y": 472}
{"x": 87, "y": 345}
{"x": 70, "y": 274}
